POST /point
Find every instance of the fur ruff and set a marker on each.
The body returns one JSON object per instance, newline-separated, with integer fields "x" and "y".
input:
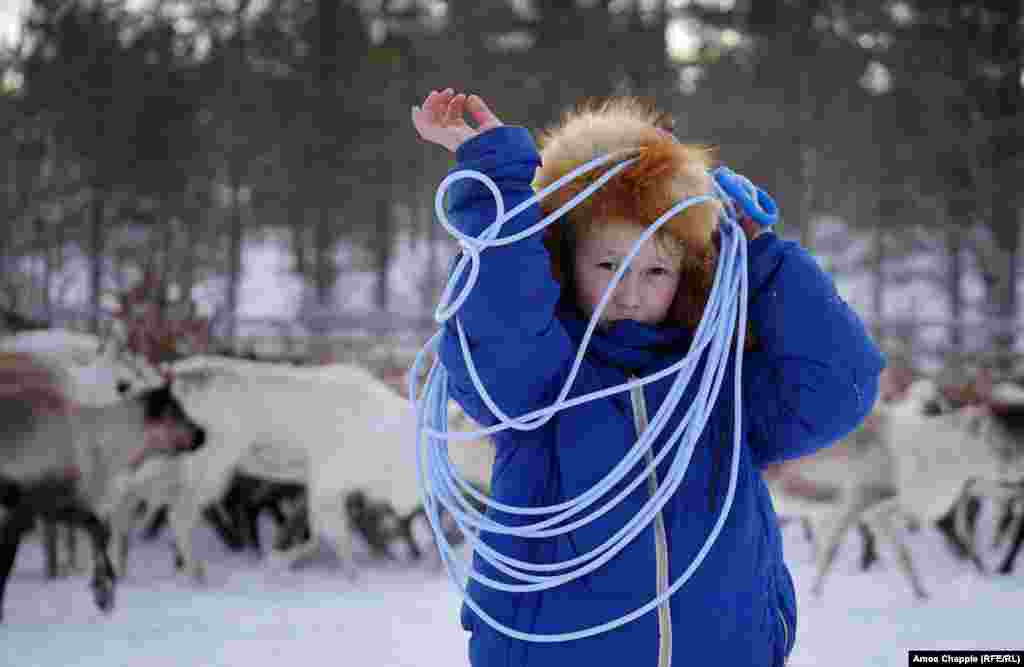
{"x": 666, "y": 173}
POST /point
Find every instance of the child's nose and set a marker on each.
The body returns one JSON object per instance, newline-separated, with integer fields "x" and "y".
{"x": 628, "y": 292}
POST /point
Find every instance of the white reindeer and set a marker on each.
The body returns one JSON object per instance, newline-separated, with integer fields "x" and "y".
{"x": 905, "y": 464}
{"x": 335, "y": 428}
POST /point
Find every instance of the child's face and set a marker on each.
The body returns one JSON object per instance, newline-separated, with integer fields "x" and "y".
{"x": 646, "y": 290}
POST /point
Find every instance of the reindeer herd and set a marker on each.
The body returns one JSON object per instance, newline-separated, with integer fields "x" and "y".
{"x": 94, "y": 438}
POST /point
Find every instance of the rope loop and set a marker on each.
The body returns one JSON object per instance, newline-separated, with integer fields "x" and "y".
{"x": 723, "y": 321}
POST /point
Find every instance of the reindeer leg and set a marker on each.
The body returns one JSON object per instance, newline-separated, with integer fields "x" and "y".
{"x": 184, "y": 515}
{"x": 71, "y": 545}
{"x": 1018, "y": 540}
{"x": 224, "y": 526}
{"x": 295, "y": 525}
{"x": 121, "y": 549}
{"x": 183, "y": 518}
{"x": 1006, "y": 519}
{"x": 204, "y": 478}
{"x": 870, "y": 553}
{"x": 294, "y": 537}
{"x": 965, "y": 515}
{"x": 953, "y": 526}
{"x": 831, "y": 535}
{"x": 327, "y": 518}
{"x": 405, "y": 532}
{"x": 120, "y": 518}
{"x": 808, "y": 533}
{"x": 249, "y": 519}
{"x": 154, "y": 523}
{"x": 103, "y": 577}
{"x": 880, "y": 518}
{"x": 13, "y": 527}
{"x": 50, "y": 540}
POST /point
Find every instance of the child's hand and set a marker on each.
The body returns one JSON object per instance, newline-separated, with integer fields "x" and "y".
{"x": 440, "y": 120}
{"x": 749, "y": 227}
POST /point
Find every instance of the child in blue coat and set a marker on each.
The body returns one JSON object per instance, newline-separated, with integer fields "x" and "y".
{"x": 810, "y": 375}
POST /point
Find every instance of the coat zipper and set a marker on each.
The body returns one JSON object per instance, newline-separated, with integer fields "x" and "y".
{"x": 660, "y": 537}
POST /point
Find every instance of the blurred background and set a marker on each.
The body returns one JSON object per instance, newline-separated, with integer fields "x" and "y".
{"x": 242, "y": 177}
{"x": 244, "y": 173}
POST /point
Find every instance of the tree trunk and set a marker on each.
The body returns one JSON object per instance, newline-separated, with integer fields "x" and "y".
{"x": 300, "y": 244}
{"x": 235, "y": 160}
{"x": 1007, "y": 157}
{"x": 235, "y": 238}
{"x": 324, "y": 273}
{"x": 383, "y": 251}
{"x": 96, "y": 247}
{"x": 808, "y": 166}
{"x": 430, "y": 289}
{"x": 10, "y": 213}
{"x": 878, "y": 279}
{"x": 187, "y": 268}
{"x": 954, "y": 287}
{"x": 1006, "y": 227}
{"x": 167, "y": 243}
{"x": 45, "y": 239}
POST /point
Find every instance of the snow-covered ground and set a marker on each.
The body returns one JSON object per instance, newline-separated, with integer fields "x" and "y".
{"x": 253, "y": 615}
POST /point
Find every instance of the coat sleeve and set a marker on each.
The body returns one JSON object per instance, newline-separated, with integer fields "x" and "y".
{"x": 519, "y": 348}
{"x": 813, "y": 377}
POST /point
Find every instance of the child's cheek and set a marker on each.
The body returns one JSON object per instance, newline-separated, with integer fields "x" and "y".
{"x": 668, "y": 289}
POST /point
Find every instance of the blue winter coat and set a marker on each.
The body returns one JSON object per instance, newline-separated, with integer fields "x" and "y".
{"x": 811, "y": 380}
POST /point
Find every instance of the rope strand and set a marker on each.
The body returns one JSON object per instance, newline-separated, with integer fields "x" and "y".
{"x": 440, "y": 483}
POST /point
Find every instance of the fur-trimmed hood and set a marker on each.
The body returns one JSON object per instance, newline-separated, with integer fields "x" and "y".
{"x": 666, "y": 173}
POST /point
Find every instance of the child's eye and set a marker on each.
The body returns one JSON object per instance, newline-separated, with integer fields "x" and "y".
{"x": 607, "y": 266}
{"x": 659, "y": 271}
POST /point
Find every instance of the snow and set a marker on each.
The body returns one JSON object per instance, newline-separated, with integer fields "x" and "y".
{"x": 399, "y": 615}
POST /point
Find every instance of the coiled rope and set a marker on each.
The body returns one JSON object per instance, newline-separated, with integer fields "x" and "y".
{"x": 440, "y": 483}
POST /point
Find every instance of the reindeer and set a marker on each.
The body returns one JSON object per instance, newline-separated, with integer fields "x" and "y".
{"x": 916, "y": 468}
{"x": 335, "y": 429}
{"x": 90, "y": 371}
{"x": 911, "y": 459}
{"x": 57, "y": 459}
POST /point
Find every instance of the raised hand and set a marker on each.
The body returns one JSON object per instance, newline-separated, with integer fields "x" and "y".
{"x": 441, "y": 118}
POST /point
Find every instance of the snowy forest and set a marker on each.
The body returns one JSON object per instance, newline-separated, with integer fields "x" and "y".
{"x": 174, "y": 140}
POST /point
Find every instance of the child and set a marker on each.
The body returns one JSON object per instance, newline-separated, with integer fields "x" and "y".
{"x": 809, "y": 378}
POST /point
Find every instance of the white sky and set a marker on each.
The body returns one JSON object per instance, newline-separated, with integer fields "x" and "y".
{"x": 10, "y": 19}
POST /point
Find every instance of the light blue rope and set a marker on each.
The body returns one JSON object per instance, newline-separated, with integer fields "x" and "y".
{"x": 442, "y": 486}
